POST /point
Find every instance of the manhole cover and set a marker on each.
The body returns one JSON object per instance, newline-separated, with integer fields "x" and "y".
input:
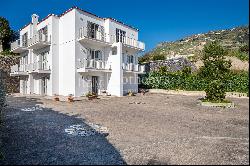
{"x": 86, "y": 130}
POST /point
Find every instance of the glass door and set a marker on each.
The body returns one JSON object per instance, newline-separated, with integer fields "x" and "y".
{"x": 44, "y": 86}
{"x": 95, "y": 84}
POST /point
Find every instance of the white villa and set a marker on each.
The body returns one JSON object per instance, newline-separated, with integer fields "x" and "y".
{"x": 75, "y": 53}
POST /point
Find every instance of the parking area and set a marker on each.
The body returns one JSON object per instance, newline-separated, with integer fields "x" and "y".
{"x": 149, "y": 129}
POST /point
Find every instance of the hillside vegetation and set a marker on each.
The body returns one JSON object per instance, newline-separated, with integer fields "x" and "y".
{"x": 235, "y": 42}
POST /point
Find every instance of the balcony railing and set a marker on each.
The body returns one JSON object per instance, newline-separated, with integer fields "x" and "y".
{"x": 41, "y": 65}
{"x": 18, "y": 46}
{"x": 133, "y": 67}
{"x": 38, "y": 41}
{"x": 92, "y": 34}
{"x": 19, "y": 68}
{"x": 32, "y": 67}
{"x": 93, "y": 64}
{"x": 128, "y": 41}
{"x": 108, "y": 38}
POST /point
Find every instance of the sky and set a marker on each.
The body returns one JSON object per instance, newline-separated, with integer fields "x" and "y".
{"x": 157, "y": 20}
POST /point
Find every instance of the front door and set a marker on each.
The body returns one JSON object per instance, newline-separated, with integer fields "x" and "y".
{"x": 44, "y": 86}
{"x": 95, "y": 84}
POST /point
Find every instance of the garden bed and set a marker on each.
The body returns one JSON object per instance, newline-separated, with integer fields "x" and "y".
{"x": 213, "y": 104}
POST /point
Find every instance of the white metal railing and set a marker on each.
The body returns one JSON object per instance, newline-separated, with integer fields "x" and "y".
{"x": 133, "y": 67}
{"x": 128, "y": 66}
{"x": 101, "y": 36}
{"x": 19, "y": 68}
{"x": 40, "y": 65}
{"x": 141, "y": 68}
{"x": 93, "y": 64}
{"x": 38, "y": 38}
{"x": 14, "y": 68}
{"x": 17, "y": 44}
{"x": 92, "y": 34}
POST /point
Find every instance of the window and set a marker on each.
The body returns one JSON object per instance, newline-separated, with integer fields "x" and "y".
{"x": 95, "y": 31}
{"x": 120, "y": 35}
{"x": 114, "y": 50}
{"x": 24, "y": 59}
{"x": 43, "y": 33}
{"x": 123, "y": 57}
{"x": 130, "y": 59}
{"x": 94, "y": 54}
{"x": 44, "y": 56}
{"x": 25, "y": 39}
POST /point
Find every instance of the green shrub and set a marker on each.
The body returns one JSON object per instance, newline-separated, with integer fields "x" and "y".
{"x": 240, "y": 54}
{"x": 215, "y": 91}
{"x": 236, "y": 82}
{"x": 159, "y": 57}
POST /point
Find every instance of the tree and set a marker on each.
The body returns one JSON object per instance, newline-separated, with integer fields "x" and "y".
{"x": 216, "y": 70}
{"x": 6, "y": 34}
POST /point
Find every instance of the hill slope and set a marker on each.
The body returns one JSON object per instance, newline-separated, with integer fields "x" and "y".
{"x": 231, "y": 39}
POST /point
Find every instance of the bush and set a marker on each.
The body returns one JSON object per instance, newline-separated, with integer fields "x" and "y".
{"x": 240, "y": 54}
{"x": 236, "y": 82}
{"x": 215, "y": 91}
{"x": 158, "y": 57}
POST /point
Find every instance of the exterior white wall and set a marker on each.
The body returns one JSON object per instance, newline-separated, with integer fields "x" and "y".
{"x": 111, "y": 26}
{"x": 130, "y": 82}
{"x": 65, "y": 51}
{"x": 67, "y": 44}
{"x": 115, "y": 84}
{"x": 55, "y": 55}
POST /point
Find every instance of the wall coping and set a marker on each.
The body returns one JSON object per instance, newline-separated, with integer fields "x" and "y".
{"x": 196, "y": 93}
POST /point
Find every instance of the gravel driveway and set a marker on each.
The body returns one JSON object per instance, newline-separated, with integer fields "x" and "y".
{"x": 38, "y": 137}
{"x": 150, "y": 129}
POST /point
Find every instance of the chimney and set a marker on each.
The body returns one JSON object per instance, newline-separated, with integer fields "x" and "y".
{"x": 34, "y": 21}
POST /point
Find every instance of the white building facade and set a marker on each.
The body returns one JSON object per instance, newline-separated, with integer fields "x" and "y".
{"x": 77, "y": 53}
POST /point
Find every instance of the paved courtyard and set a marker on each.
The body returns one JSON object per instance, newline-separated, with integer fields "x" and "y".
{"x": 150, "y": 129}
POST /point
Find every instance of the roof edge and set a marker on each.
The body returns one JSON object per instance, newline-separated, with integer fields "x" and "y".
{"x": 75, "y": 7}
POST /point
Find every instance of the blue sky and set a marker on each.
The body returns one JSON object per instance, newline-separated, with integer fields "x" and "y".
{"x": 157, "y": 20}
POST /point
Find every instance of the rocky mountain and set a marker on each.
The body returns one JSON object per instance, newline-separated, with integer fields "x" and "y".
{"x": 231, "y": 39}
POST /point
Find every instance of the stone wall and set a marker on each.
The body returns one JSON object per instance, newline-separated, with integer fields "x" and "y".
{"x": 172, "y": 65}
{"x": 11, "y": 83}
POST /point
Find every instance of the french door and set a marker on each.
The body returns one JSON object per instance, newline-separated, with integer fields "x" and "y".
{"x": 44, "y": 86}
{"x": 95, "y": 84}
{"x": 25, "y": 85}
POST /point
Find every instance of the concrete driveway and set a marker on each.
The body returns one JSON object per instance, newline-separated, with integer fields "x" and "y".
{"x": 150, "y": 129}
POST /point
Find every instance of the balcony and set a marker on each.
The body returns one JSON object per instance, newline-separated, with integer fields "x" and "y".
{"x": 38, "y": 41}
{"x": 85, "y": 65}
{"x": 41, "y": 67}
{"x": 136, "y": 68}
{"x": 18, "y": 47}
{"x": 99, "y": 38}
{"x": 19, "y": 70}
{"x": 129, "y": 43}
{"x": 92, "y": 37}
